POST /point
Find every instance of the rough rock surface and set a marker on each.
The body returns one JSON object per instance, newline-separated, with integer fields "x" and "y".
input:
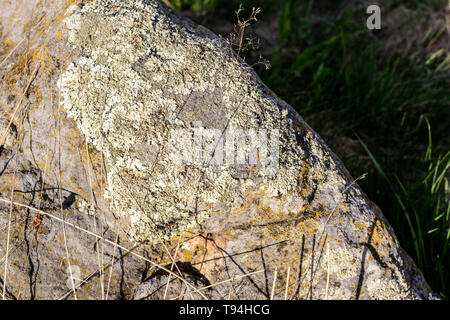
{"x": 94, "y": 90}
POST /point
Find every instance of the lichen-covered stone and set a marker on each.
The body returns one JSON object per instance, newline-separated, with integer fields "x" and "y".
{"x": 114, "y": 79}
{"x": 137, "y": 79}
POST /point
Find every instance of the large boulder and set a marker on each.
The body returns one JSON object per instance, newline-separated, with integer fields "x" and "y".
{"x": 148, "y": 161}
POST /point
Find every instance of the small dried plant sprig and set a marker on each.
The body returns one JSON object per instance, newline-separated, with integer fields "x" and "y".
{"x": 239, "y": 42}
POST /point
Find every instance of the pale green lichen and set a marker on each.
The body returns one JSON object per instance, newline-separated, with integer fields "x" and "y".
{"x": 85, "y": 207}
{"x": 138, "y": 68}
{"x": 379, "y": 282}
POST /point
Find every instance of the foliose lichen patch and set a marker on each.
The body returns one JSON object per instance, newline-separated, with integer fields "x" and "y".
{"x": 142, "y": 72}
